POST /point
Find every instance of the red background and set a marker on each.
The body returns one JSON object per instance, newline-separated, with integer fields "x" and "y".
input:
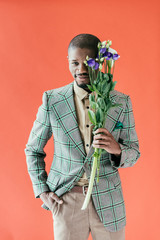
{"x": 34, "y": 36}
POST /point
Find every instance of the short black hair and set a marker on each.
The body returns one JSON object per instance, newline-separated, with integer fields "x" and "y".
{"x": 85, "y": 40}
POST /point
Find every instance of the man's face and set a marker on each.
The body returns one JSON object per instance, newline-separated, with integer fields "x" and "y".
{"x": 78, "y": 69}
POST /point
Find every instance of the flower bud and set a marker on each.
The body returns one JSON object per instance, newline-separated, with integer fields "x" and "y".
{"x": 87, "y": 58}
{"x": 103, "y": 43}
{"x": 109, "y": 42}
{"x": 100, "y": 66}
{"x": 99, "y": 45}
{"x": 102, "y": 59}
{"x": 85, "y": 62}
{"x": 107, "y": 45}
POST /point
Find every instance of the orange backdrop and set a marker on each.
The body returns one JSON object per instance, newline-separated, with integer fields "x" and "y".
{"x": 34, "y": 36}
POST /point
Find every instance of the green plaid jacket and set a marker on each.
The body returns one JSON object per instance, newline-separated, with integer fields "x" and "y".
{"x": 57, "y": 116}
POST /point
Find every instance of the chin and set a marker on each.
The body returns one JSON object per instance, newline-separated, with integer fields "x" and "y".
{"x": 82, "y": 84}
{"x": 80, "y": 81}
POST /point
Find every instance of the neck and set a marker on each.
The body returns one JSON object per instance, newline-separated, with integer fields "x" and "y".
{"x": 84, "y": 86}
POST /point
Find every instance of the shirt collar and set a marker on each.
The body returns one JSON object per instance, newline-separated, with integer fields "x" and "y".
{"x": 80, "y": 92}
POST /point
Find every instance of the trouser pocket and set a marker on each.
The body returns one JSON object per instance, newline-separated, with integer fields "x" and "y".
{"x": 55, "y": 208}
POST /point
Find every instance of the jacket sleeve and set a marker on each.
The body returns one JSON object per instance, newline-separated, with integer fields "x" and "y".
{"x": 40, "y": 134}
{"x": 128, "y": 140}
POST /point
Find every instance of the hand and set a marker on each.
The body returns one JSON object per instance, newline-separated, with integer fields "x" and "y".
{"x": 49, "y": 198}
{"x": 104, "y": 139}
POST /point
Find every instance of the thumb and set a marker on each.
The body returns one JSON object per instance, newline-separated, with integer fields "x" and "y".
{"x": 56, "y": 198}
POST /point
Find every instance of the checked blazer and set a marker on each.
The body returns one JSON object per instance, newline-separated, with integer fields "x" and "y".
{"x": 57, "y": 116}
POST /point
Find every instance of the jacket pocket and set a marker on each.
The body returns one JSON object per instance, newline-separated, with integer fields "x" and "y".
{"x": 115, "y": 180}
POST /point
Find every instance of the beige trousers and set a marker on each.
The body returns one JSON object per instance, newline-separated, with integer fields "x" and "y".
{"x": 72, "y": 223}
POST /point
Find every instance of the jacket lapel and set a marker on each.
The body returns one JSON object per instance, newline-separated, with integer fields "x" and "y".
{"x": 65, "y": 111}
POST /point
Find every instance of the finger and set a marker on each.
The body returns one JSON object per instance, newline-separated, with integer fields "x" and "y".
{"x": 101, "y": 142}
{"x": 100, "y": 136}
{"x": 56, "y": 198}
{"x": 99, "y": 146}
{"x": 102, "y": 130}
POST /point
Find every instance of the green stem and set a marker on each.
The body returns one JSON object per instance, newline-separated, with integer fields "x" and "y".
{"x": 90, "y": 75}
{"x": 105, "y": 66}
{"x": 98, "y": 164}
{"x": 113, "y": 68}
{"x": 99, "y": 155}
{"x": 94, "y": 75}
{"x": 90, "y": 187}
{"x": 95, "y": 166}
{"x": 100, "y": 76}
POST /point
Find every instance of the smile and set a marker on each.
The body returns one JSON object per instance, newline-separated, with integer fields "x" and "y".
{"x": 82, "y": 77}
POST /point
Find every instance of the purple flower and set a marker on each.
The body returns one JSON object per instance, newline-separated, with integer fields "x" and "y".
{"x": 102, "y": 50}
{"x": 115, "y": 56}
{"x": 96, "y": 66}
{"x": 91, "y": 62}
{"x": 108, "y": 55}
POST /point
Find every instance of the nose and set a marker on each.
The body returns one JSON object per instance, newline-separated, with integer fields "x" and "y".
{"x": 83, "y": 68}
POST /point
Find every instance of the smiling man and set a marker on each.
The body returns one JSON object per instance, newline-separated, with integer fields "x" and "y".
{"x": 78, "y": 69}
{"x": 64, "y": 113}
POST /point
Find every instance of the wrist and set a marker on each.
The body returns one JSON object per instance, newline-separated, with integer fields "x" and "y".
{"x": 118, "y": 152}
{"x": 43, "y": 194}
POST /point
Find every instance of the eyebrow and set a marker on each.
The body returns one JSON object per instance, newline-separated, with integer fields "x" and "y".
{"x": 73, "y": 60}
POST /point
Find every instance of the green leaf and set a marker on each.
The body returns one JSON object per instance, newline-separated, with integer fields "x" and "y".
{"x": 91, "y": 98}
{"x": 93, "y": 105}
{"x": 95, "y": 82}
{"x": 92, "y": 116}
{"x": 95, "y": 128}
{"x": 96, "y": 155}
{"x": 113, "y": 85}
{"x": 99, "y": 125}
{"x": 108, "y": 104}
{"x": 90, "y": 88}
{"x": 99, "y": 115}
{"x": 110, "y": 76}
{"x": 96, "y": 90}
{"x": 99, "y": 75}
{"x": 106, "y": 76}
{"x": 99, "y": 85}
{"x": 106, "y": 87}
{"x": 101, "y": 103}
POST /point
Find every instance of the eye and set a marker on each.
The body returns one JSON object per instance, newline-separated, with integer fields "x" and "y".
{"x": 75, "y": 63}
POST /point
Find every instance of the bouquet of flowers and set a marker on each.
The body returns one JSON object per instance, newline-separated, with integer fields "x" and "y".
{"x": 101, "y": 84}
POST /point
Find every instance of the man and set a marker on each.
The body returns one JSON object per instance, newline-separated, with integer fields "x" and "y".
{"x": 64, "y": 113}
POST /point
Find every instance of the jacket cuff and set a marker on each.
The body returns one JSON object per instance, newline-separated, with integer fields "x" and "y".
{"x": 40, "y": 189}
{"x": 118, "y": 162}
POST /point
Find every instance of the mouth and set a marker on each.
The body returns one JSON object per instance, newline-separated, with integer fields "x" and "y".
{"x": 82, "y": 77}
